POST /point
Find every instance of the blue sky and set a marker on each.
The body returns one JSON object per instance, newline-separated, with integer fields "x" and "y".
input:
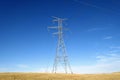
{"x": 92, "y": 40}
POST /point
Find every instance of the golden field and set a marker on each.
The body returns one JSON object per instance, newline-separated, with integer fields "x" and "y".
{"x": 48, "y": 76}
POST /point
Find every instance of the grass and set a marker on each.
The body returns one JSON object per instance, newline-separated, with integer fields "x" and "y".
{"x": 47, "y": 76}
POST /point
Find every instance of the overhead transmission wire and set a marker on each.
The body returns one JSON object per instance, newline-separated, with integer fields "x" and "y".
{"x": 96, "y": 6}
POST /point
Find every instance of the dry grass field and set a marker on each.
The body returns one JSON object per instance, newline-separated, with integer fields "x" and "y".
{"x": 46, "y": 76}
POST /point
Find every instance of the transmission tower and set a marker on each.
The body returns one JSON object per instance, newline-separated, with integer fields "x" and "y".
{"x": 61, "y": 56}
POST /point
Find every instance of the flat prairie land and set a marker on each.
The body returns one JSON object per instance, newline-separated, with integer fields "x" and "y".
{"x": 48, "y": 76}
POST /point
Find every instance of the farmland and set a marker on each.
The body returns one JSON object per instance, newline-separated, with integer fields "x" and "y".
{"x": 48, "y": 76}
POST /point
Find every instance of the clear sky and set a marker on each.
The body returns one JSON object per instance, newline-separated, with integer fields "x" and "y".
{"x": 92, "y": 41}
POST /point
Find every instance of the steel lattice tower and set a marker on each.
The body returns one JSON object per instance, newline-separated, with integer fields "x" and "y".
{"x": 61, "y": 56}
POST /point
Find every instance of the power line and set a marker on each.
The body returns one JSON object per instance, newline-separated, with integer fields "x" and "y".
{"x": 96, "y": 6}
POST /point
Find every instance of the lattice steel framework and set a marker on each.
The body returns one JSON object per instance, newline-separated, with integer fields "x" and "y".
{"x": 61, "y": 56}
